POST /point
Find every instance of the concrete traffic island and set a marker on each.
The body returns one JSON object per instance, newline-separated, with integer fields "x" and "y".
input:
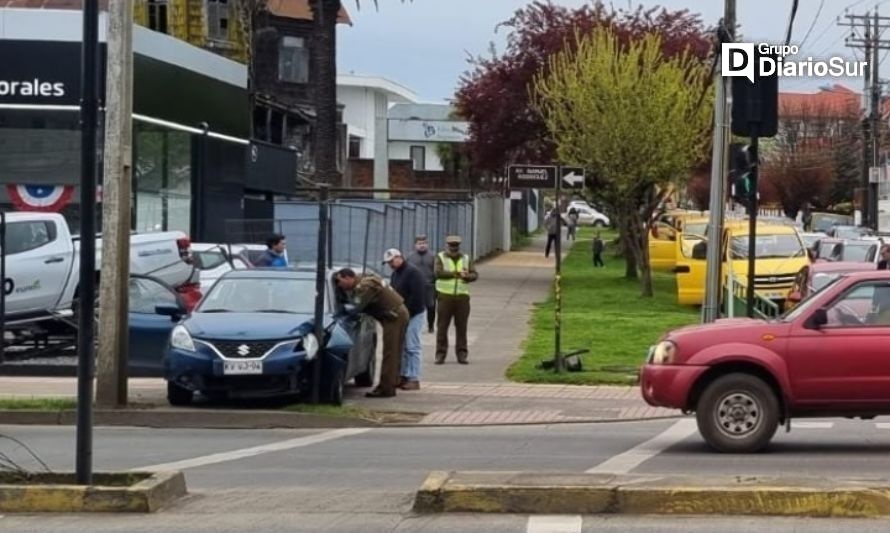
{"x": 562, "y": 493}
{"x": 132, "y": 492}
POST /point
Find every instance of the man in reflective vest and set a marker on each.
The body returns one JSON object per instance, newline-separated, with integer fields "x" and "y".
{"x": 454, "y": 272}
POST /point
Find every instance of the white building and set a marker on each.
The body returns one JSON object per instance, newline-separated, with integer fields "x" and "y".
{"x": 386, "y": 121}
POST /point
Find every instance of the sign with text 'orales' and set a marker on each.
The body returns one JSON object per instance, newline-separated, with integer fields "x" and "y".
{"x": 42, "y": 72}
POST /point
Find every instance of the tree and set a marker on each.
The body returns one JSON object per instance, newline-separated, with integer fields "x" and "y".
{"x": 637, "y": 118}
{"x": 494, "y": 95}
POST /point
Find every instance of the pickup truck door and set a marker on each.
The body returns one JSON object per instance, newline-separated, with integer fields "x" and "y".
{"x": 38, "y": 263}
{"x": 845, "y": 362}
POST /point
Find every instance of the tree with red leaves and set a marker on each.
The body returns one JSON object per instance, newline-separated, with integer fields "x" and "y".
{"x": 495, "y": 95}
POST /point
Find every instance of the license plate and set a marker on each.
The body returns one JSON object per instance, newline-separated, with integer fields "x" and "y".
{"x": 241, "y": 368}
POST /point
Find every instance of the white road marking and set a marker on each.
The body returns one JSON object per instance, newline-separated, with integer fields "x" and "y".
{"x": 234, "y": 455}
{"x": 554, "y": 524}
{"x": 811, "y": 425}
{"x": 882, "y": 425}
{"x": 634, "y": 457}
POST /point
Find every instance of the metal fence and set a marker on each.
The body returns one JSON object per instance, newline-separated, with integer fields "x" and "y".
{"x": 361, "y": 230}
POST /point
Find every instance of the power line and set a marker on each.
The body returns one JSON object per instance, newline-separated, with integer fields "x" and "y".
{"x": 791, "y": 22}
{"x": 813, "y": 25}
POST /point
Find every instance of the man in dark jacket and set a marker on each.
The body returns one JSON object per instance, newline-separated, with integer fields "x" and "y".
{"x": 410, "y": 283}
{"x": 553, "y": 225}
{"x": 598, "y": 247}
{"x": 426, "y": 263}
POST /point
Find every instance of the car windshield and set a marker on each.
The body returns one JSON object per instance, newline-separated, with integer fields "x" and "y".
{"x": 859, "y": 252}
{"x": 696, "y": 228}
{"x": 260, "y": 295}
{"x": 804, "y": 306}
{"x": 769, "y": 247}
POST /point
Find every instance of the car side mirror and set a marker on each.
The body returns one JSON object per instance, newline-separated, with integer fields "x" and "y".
{"x": 173, "y": 311}
{"x": 818, "y": 319}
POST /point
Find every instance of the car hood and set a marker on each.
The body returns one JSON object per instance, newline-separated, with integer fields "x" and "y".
{"x": 250, "y": 326}
{"x": 718, "y": 326}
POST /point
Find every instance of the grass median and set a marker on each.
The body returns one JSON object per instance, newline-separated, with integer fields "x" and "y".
{"x": 602, "y": 312}
{"x": 36, "y": 404}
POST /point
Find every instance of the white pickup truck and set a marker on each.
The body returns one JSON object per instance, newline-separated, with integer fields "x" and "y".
{"x": 43, "y": 264}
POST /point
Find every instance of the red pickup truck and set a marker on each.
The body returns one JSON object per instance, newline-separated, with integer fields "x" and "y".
{"x": 828, "y": 357}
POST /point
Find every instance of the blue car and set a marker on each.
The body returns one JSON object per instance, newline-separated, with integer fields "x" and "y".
{"x": 252, "y": 336}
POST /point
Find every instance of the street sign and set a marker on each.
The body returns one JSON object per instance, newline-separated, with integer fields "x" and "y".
{"x": 532, "y": 176}
{"x": 572, "y": 177}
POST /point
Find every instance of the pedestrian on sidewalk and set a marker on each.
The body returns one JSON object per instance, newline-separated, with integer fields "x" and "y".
{"x": 598, "y": 248}
{"x": 274, "y": 256}
{"x": 553, "y": 229}
{"x": 454, "y": 272}
{"x": 572, "y": 224}
{"x": 409, "y": 282}
{"x": 370, "y": 295}
{"x": 426, "y": 263}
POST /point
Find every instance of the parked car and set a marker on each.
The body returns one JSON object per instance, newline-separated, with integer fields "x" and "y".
{"x": 743, "y": 377}
{"x": 861, "y": 251}
{"x": 214, "y": 260}
{"x": 823, "y": 222}
{"x": 849, "y": 232}
{"x": 814, "y": 277}
{"x": 811, "y": 239}
{"x": 253, "y": 335}
{"x": 588, "y": 216}
{"x": 43, "y": 265}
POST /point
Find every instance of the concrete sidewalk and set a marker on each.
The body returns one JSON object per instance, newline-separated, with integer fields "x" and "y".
{"x": 452, "y": 394}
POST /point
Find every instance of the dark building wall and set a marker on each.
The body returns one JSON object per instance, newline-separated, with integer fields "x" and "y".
{"x": 268, "y": 34}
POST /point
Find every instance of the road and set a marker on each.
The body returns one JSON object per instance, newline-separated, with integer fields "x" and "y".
{"x": 363, "y": 480}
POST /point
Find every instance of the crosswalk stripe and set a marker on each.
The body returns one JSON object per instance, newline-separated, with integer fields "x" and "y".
{"x": 554, "y": 524}
{"x": 811, "y": 425}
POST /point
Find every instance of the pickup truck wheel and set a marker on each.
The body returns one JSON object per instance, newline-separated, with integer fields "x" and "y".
{"x": 738, "y": 413}
{"x": 179, "y": 396}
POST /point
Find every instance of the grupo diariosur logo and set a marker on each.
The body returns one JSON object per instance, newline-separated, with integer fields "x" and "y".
{"x": 747, "y": 60}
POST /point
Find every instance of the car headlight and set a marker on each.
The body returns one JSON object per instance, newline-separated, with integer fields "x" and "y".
{"x": 181, "y": 339}
{"x": 664, "y": 353}
{"x": 309, "y": 344}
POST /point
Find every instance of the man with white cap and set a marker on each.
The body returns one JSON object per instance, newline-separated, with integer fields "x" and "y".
{"x": 410, "y": 283}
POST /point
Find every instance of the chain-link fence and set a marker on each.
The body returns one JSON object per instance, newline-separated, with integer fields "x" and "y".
{"x": 361, "y": 230}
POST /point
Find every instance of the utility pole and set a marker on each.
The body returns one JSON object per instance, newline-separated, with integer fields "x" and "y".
{"x": 111, "y": 376}
{"x": 866, "y": 35}
{"x": 719, "y": 160}
{"x": 89, "y": 118}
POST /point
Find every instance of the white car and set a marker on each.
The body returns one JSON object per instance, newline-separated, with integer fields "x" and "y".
{"x": 43, "y": 265}
{"x": 213, "y": 260}
{"x": 588, "y": 216}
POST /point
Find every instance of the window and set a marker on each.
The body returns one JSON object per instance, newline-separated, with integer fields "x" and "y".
{"x": 866, "y": 304}
{"x": 218, "y": 20}
{"x": 355, "y": 147}
{"x": 418, "y": 157}
{"x": 210, "y": 259}
{"x": 146, "y": 294}
{"x": 26, "y": 236}
{"x": 293, "y": 60}
{"x": 157, "y": 15}
{"x": 782, "y": 246}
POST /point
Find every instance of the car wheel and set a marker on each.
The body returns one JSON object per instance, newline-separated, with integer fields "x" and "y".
{"x": 334, "y": 394}
{"x": 366, "y": 378}
{"x": 178, "y": 396}
{"x": 738, "y": 413}
{"x": 599, "y": 224}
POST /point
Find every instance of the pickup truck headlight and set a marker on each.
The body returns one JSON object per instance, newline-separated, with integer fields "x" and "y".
{"x": 664, "y": 353}
{"x": 308, "y": 344}
{"x": 181, "y": 339}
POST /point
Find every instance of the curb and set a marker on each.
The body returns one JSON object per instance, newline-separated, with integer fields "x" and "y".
{"x": 188, "y": 419}
{"x": 56, "y": 493}
{"x": 561, "y": 493}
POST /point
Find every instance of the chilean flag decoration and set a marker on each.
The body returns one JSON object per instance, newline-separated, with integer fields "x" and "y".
{"x": 44, "y": 198}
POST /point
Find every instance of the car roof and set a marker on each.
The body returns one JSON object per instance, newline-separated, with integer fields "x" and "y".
{"x": 841, "y": 266}
{"x": 269, "y": 273}
{"x": 871, "y": 273}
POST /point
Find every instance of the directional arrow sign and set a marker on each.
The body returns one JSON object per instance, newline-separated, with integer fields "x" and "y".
{"x": 572, "y": 177}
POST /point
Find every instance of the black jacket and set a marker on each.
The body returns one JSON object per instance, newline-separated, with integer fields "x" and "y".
{"x": 410, "y": 283}
{"x": 882, "y": 264}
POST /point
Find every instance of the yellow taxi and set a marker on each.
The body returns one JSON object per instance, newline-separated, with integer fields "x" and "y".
{"x": 664, "y": 235}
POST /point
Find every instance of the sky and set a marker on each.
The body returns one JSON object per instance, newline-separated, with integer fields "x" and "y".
{"x": 424, "y": 44}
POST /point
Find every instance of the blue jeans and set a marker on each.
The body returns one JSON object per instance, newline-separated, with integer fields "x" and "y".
{"x": 413, "y": 353}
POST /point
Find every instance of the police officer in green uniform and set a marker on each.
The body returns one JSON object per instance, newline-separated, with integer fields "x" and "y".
{"x": 370, "y": 295}
{"x": 454, "y": 272}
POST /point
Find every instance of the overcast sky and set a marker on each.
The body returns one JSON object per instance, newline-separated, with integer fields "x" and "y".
{"x": 424, "y": 44}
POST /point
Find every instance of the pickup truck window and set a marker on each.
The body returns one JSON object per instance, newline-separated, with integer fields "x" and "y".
{"x": 26, "y": 236}
{"x": 866, "y": 304}
{"x": 769, "y": 247}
